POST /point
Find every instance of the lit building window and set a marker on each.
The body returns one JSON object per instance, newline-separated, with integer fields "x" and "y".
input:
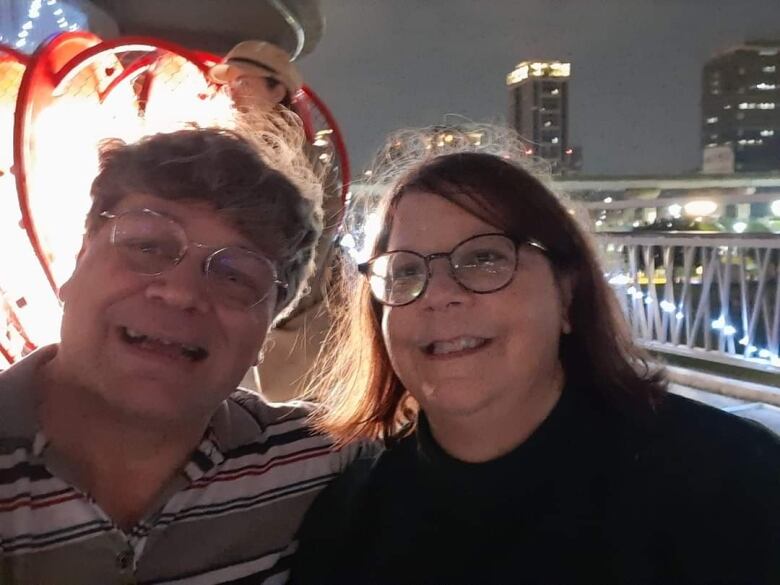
{"x": 554, "y": 140}
{"x": 727, "y": 107}
{"x": 767, "y": 133}
{"x": 760, "y": 106}
{"x": 765, "y": 86}
{"x": 769, "y": 69}
{"x": 712, "y": 120}
{"x": 525, "y": 70}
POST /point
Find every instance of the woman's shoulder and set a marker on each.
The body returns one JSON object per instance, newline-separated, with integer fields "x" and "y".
{"x": 709, "y": 451}
{"x": 692, "y": 426}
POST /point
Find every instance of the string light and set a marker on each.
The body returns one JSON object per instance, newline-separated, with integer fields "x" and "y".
{"x": 34, "y": 13}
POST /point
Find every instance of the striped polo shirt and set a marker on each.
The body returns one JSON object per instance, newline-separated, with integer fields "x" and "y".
{"x": 230, "y": 515}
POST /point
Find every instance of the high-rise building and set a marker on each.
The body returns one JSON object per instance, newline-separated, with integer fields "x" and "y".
{"x": 741, "y": 109}
{"x": 539, "y": 111}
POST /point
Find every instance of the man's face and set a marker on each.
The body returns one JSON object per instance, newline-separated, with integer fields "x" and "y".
{"x": 165, "y": 348}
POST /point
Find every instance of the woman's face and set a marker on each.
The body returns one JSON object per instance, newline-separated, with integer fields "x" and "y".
{"x": 462, "y": 354}
{"x": 251, "y": 90}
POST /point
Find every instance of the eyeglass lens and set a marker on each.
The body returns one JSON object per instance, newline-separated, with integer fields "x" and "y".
{"x": 481, "y": 264}
{"x": 151, "y": 243}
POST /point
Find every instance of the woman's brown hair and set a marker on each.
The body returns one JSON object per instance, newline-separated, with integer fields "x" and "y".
{"x": 360, "y": 394}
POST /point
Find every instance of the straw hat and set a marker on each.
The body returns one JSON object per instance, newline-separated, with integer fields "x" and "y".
{"x": 260, "y": 57}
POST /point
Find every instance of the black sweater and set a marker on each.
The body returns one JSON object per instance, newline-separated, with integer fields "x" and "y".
{"x": 688, "y": 495}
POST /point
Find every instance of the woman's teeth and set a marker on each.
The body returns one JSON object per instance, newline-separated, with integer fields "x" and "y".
{"x": 455, "y": 345}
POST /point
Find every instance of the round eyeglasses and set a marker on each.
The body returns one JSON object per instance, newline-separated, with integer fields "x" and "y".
{"x": 481, "y": 264}
{"x": 151, "y": 243}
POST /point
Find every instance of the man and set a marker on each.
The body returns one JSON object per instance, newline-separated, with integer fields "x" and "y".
{"x": 127, "y": 455}
{"x": 258, "y": 75}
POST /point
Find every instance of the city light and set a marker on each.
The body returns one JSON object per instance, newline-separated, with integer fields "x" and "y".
{"x": 700, "y": 208}
{"x": 620, "y": 280}
{"x": 528, "y": 69}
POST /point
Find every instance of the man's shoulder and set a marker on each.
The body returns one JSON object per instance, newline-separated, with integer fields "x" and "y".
{"x": 17, "y": 416}
{"x": 247, "y": 417}
{"x": 267, "y": 413}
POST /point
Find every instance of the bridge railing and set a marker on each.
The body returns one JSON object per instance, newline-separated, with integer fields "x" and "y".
{"x": 712, "y": 296}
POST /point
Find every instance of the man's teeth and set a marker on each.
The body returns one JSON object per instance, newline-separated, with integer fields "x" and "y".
{"x": 193, "y": 352}
{"x": 134, "y": 335}
{"x": 454, "y": 345}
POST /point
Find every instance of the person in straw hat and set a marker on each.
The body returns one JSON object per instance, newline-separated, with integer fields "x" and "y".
{"x": 258, "y": 74}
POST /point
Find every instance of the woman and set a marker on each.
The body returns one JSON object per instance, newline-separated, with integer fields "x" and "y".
{"x": 258, "y": 75}
{"x": 529, "y": 440}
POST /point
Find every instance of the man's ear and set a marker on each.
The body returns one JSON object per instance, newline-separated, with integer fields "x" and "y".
{"x": 82, "y": 249}
{"x": 63, "y": 292}
{"x": 566, "y": 293}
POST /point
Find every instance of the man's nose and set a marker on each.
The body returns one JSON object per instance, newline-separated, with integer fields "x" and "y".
{"x": 183, "y": 286}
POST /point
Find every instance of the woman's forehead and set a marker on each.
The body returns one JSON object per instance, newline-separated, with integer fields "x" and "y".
{"x": 426, "y": 221}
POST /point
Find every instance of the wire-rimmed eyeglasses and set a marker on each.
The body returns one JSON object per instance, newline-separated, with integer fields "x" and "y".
{"x": 151, "y": 243}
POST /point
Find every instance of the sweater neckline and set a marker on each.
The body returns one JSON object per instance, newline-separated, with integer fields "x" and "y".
{"x": 568, "y": 428}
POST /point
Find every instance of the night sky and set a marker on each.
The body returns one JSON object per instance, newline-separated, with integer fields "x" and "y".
{"x": 635, "y": 86}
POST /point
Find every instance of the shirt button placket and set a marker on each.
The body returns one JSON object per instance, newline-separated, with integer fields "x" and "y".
{"x": 125, "y": 562}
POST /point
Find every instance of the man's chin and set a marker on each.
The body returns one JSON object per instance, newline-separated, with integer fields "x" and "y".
{"x": 151, "y": 403}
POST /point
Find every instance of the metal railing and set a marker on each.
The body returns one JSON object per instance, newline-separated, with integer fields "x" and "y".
{"x": 712, "y": 296}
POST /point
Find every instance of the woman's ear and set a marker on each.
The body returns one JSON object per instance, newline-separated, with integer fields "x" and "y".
{"x": 566, "y": 293}
{"x": 278, "y": 93}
